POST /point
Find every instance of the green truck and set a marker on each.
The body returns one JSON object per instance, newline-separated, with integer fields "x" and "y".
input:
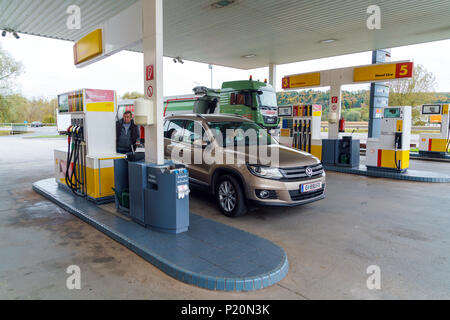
{"x": 254, "y": 100}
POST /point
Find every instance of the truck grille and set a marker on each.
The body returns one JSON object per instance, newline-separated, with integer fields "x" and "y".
{"x": 296, "y": 195}
{"x": 270, "y": 120}
{"x": 299, "y": 173}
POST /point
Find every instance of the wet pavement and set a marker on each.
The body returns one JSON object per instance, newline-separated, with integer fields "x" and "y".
{"x": 402, "y": 227}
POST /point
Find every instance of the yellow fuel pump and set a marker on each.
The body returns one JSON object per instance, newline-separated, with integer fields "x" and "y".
{"x": 391, "y": 151}
{"x": 436, "y": 144}
{"x": 300, "y": 128}
{"x": 86, "y": 165}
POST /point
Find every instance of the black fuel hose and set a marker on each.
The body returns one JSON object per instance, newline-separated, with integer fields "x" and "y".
{"x": 448, "y": 139}
{"x": 69, "y": 161}
{"x": 72, "y": 180}
{"x": 397, "y": 165}
{"x": 75, "y": 162}
{"x": 396, "y": 162}
{"x": 79, "y": 185}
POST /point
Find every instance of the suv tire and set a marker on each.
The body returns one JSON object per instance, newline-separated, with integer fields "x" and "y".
{"x": 230, "y": 196}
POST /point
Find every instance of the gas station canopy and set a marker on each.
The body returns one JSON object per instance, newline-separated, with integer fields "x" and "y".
{"x": 248, "y": 34}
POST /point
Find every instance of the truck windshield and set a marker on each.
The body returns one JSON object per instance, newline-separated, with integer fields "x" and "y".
{"x": 267, "y": 99}
{"x": 240, "y": 133}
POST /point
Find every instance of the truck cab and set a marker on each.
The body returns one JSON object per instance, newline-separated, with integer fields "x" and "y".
{"x": 254, "y": 100}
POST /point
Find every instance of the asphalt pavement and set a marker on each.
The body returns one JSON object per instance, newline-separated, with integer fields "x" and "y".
{"x": 400, "y": 227}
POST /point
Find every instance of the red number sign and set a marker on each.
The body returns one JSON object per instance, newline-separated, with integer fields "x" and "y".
{"x": 149, "y": 72}
{"x": 286, "y": 83}
{"x": 404, "y": 70}
{"x": 334, "y": 100}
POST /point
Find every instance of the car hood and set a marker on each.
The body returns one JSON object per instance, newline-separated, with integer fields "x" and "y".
{"x": 287, "y": 157}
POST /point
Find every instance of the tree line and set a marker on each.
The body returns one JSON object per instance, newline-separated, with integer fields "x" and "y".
{"x": 15, "y": 108}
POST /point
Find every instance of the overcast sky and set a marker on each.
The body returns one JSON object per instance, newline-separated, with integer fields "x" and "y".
{"x": 49, "y": 68}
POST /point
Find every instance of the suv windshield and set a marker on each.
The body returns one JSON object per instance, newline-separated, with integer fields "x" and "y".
{"x": 267, "y": 99}
{"x": 240, "y": 133}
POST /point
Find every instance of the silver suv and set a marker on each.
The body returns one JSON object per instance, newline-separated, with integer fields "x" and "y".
{"x": 298, "y": 177}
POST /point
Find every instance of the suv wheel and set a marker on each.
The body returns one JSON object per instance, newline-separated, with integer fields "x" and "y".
{"x": 230, "y": 196}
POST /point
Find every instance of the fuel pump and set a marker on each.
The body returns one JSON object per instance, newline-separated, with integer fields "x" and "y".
{"x": 301, "y": 128}
{"x": 437, "y": 144}
{"x": 86, "y": 165}
{"x": 391, "y": 151}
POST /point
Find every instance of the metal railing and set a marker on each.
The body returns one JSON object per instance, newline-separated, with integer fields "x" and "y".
{"x": 19, "y": 128}
{"x": 9, "y": 124}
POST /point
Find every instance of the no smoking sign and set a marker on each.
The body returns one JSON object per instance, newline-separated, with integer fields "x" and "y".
{"x": 150, "y": 91}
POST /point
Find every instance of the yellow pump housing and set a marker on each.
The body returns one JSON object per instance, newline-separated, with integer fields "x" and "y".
{"x": 94, "y": 111}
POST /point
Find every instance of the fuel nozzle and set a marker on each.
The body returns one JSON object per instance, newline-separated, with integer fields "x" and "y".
{"x": 69, "y": 133}
{"x": 79, "y": 133}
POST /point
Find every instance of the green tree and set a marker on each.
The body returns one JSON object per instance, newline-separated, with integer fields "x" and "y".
{"x": 37, "y": 109}
{"x": 9, "y": 70}
{"x": 364, "y": 112}
{"x": 352, "y": 115}
{"x": 413, "y": 92}
{"x": 49, "y": 118}
{"x": 13, "y": 108}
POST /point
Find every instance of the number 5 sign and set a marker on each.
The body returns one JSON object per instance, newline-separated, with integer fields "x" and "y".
{"x": 404, "y": 70}
{"x": 149, "y": 73}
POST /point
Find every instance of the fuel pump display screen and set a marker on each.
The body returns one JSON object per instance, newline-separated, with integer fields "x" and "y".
{"x": 285, "y": 111}
{"x": 63, "y": 103}
{"x": 392, "y": 113}
{"x": 71, "y": 102}
{"x": 431, "y": 109}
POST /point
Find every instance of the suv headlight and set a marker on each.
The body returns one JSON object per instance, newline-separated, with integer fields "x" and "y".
{"x": 265, "y": 172}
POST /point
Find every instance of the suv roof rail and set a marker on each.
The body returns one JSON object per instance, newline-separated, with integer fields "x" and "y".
{"x": 200, "y": 116}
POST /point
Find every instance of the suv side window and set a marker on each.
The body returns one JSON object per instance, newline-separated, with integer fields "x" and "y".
{"x": 194, "y": 131}
{"x": 174, "y": 130}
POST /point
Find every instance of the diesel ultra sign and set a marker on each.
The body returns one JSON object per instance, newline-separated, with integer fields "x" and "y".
{"x": 383, "y": 72}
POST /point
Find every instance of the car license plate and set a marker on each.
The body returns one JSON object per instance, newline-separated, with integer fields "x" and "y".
{"x": 311, "y": 187}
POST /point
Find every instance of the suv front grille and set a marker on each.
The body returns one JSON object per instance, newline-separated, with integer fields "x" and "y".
{"x": 299, "y": 173}
{"x": 296, "y": 195}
